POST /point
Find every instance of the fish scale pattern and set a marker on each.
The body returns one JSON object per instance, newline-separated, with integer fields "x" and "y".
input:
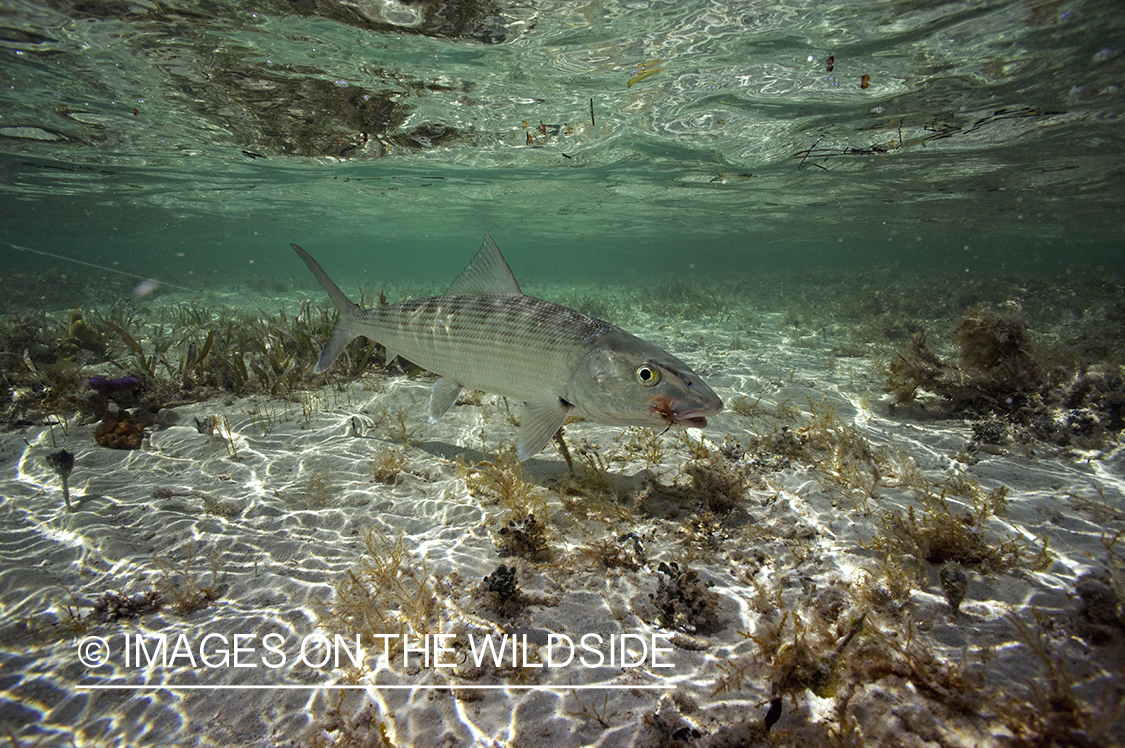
{"x": 514, "y": 345}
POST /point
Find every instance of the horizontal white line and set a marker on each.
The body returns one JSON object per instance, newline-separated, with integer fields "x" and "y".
{"x": 337, "y": 687}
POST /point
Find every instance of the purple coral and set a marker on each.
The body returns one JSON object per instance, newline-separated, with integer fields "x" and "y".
{"x": 106, "y": 387}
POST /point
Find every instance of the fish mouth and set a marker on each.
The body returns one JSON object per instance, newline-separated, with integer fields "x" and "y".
{"x": 696, "y": 419}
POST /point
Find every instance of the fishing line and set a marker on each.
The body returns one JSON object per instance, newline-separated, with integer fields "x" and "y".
{"x": 143, "y": 288}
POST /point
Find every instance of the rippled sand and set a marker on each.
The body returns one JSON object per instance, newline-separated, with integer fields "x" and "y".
{"x": 266, "y": 528}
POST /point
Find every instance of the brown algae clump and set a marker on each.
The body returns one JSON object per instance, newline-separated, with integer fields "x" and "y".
{"x": 386, "y": 592}
{"x": 940, "y": 534}
{"x": 523, "y": 537}
{"x": 684, "y": 601}
{"x": 995, "y": 372}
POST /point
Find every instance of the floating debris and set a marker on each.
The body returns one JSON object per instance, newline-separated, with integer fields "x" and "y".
{"x": 642, "y": 71}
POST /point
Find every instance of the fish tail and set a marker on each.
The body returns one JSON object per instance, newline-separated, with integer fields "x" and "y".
{"x": 343, "y": 331}
{"x": 342, "y": 334}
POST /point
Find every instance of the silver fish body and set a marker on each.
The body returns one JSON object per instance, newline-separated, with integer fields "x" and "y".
{"x": 485, "y": 334}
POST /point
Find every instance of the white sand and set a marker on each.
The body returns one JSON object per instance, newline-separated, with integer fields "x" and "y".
{"x": 795, "y": 543}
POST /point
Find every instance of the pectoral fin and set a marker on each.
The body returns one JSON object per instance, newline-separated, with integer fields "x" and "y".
{"x": 538, "y": 423}
{"x": 442, "y": 397}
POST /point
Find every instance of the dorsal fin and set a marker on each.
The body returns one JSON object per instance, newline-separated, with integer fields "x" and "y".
{"x": 488, "y": 273}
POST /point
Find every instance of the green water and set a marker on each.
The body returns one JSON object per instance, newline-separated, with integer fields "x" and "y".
{"x": 192, "y": 143}
{"x": 689, "y": 169}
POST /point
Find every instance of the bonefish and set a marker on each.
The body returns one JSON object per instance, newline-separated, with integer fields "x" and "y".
{"x": 486, "y": 334}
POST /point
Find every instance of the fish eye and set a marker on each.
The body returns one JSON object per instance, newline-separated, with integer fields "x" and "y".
{"x": 647, "y": 375}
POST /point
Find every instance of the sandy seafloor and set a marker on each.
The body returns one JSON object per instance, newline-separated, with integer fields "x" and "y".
{"x": 794, "y": 557}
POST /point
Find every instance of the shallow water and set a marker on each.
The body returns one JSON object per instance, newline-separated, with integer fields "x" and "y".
{"x": 141, "y": 132}
{"x": 692, "y": 171}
